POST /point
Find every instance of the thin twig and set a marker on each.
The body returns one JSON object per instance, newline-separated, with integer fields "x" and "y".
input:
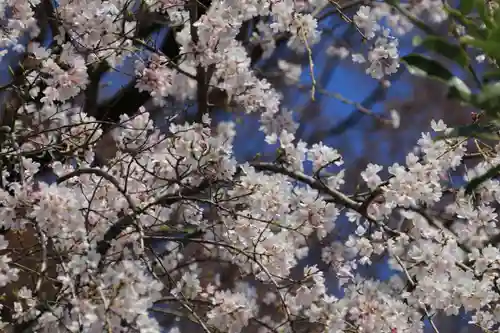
{"x": 414, "y": 284}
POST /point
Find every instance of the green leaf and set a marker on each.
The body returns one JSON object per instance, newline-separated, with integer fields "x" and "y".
{"x": 466, "y": 6}
{"x": 490, "y": 47}
{"x": 496, "y": 17}
{"x": 456, "y": 14}
{"x": 493, "y": 75}
{"x": 495, "y": 34}
{"x": 443, "y": 47}
{"x": 474, "y": 183}
{"x": 416, "y": 22}
{"x": 484, "y": 13}
{"x": 471, "y": 26}
{"x": 419, "y": 65}
{"x": 422, "y": 66}
{"x": 459, "y": 90}
{"x": 488, "y": 98}
{"x": 476, "y": 131}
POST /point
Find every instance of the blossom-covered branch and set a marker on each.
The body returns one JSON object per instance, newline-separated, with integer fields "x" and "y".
{"x": 173, "y": 221}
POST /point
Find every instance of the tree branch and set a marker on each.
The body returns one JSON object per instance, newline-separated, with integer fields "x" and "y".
{"x": 128, "y": 220}
{"x": 201, "y": 79}
{"x": 100, "y": 173}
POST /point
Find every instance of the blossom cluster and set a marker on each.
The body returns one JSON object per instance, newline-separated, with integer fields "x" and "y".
{"x": 174, "y": 224}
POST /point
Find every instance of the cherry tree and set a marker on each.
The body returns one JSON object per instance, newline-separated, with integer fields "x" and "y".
{"x": 140, "y": 220}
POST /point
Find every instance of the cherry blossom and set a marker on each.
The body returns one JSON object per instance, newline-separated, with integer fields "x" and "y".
{"x": 172, "y": 223}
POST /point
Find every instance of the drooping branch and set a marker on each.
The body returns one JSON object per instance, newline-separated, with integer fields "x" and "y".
{"x": 336, "y": 196}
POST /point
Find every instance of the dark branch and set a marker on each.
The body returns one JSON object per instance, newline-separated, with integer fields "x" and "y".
{"x": 129, "y": 220}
